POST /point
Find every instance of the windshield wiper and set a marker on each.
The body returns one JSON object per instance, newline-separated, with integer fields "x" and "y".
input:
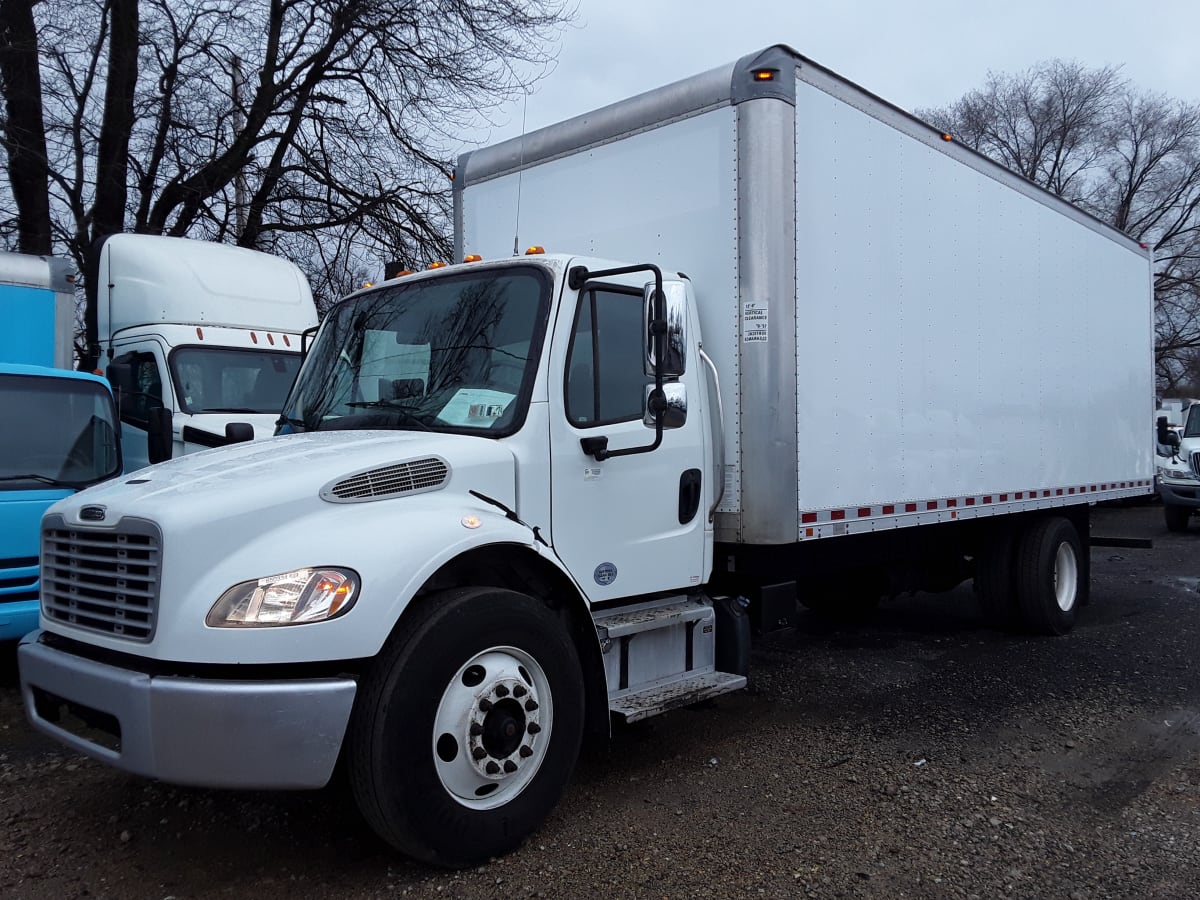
{"x": 234, "y": 409}
{"x": 295, "y": 423}
{"x": 409, "y": 412}
{"x": 43, "y": 479}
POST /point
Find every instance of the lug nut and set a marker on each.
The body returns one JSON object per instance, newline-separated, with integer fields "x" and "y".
{"x": 519, "y": 690}
{"x": 526, "y": 752}
{"x": 476, "y": 729}
{"x": 530, "y": 705}
{"x": 492, "y": 768}
{"x": 479, "y": 753}
{"x": 533, "y": 727}
{"x": 485, "y": 705}
{"x": 510, "y": 766}
{"x": 501, "y": 691}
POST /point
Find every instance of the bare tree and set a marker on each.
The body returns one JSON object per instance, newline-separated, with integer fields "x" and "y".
{"x": 318, "y": 128}
{"x": 1129, "y": 157}
{"x": 23, "y": 134}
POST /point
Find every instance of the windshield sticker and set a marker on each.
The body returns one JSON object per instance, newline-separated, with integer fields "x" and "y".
{"x": 475, "y": 406}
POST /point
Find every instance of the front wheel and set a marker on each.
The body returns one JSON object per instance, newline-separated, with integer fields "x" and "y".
{"x": 1050, "y": 573}
{"x": 468, "y": 726}
{"x": 1177, "y": 517}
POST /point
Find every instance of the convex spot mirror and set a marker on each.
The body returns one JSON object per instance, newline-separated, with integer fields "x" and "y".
{"x": 673, "y": 403}
{"x": 675, "y": 313}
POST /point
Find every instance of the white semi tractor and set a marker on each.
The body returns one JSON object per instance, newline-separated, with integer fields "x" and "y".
{"x": 200, "y": 340}
{"x": 520, "y": 496}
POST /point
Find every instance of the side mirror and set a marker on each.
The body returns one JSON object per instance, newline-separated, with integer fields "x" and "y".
{"x": 675, "y": 315}
{"x": 238, "y": 432}
{"x": 671, "y": 404}
{"x": 304, "y": 337}
{"x": 120, "y": 376}
{"x": 158, "y": 435}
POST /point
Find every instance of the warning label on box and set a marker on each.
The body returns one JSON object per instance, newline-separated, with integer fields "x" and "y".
{"x": 754, "y": 323}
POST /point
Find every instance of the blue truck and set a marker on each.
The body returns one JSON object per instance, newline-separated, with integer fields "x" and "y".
{"x": 60, "y": 433}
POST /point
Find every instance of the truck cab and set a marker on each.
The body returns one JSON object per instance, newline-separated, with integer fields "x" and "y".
{"x": 1178, "y": 462}
{"x": 201, "y": 341}
{"x": 60, "y": 437}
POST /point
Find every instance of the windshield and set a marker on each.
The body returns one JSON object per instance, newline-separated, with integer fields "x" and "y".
{"x": 1193, "y": 421}
{"x": 220, "y": 379}
{"x": 57, "y": 432}
{"x": 454, "y": 354}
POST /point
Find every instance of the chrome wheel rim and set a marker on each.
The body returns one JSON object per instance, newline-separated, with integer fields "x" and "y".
{"x": 1066, "y": 577}
{"x": 492, "y": 727}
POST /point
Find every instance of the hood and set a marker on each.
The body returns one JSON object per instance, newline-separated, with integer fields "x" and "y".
{"x": 283, "y": 476}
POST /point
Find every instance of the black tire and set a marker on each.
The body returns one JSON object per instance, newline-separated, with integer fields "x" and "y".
{"x": 996, "y": 581}
{"x": 1177, "y": 517}
{"x": 411, "y": 743}
{"x": 1050, "y": 572}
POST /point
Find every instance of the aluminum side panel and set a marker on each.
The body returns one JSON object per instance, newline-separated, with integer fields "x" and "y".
{"x": 955, "y": 336}
{"x": 767, "y": 320}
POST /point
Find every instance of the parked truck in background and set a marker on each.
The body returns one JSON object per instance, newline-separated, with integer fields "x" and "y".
{"x": 1179, "y": 469}
{"x": 517, "y": 497}
{"x": 200, "y": 340}
{"x": 59, "y": 426}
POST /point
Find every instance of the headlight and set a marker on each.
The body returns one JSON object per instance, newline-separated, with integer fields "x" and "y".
{"x": 293, "y": 598}
{"x": 1169, "y": 471}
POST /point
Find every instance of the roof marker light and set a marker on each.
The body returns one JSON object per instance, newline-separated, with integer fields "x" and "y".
{"x": 402, "y": 273}
{"x": 253, "y": 338}
{"x": 535, "y": 250}
{"x": 947, "y": 137}
{"x": 437, "y": 265}
{"x": 765, "y": 74}
{"x": 199, "y": 333}
{"x": 472, "y": 257}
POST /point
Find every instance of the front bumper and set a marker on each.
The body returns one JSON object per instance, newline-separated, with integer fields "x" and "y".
{"x": 189, "y": 731}
{"x": 1174, "y": 493}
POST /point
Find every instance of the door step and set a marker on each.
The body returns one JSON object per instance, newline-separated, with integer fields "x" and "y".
{"x": 651, "y": 701}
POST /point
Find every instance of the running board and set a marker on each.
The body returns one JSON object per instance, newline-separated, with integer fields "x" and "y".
{"x": 651, "y": 701}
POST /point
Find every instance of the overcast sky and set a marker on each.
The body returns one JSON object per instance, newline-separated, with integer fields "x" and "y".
{"x": 914, "y": 53}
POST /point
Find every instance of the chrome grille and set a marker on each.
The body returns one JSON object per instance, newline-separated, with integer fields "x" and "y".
{"x": 388, "y": 481}
{"x": 1196, "y": 463}
{"x": 102, "y": 579}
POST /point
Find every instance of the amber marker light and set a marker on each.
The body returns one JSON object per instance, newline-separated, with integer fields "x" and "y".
{"x": 402, "y": 273}
{"x": 947, "y": 137}
{"x": 471, "y": 522}
{"x": 472, "y": 257}
{"x": 437, "y": 265}
{"x": 535, "y": 250}
{"x": 764, "y": 75}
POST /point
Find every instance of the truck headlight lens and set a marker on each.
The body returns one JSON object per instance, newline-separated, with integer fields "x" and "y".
{"x": 293, "y": 598}
{"x": 1174, "y": 472}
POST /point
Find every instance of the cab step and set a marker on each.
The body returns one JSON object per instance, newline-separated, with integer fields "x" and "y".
{"x": 658, "y": 699}
{"x": 660, "y": 655}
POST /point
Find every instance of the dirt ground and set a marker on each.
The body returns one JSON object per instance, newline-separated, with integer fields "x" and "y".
{"x": 916, "y": 754}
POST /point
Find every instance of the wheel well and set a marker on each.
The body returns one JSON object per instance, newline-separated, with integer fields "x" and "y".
{"x": 518, "y": 568}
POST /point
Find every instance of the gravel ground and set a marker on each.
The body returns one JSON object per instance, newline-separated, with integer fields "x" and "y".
{"x": 916, "y": 754}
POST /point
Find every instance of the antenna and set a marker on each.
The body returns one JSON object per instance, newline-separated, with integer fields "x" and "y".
{"x": 520, "y": 175}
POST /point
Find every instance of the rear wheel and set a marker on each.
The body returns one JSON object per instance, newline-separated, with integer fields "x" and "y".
{"x": 468, "y": 727}
{"x": 995, "y": 580}
{"x": 1049, "y": 575}
{"x": 1177, "y": 517}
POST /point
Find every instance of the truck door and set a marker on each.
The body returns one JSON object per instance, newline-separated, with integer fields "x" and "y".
{"x": 631, "y": 524}
{"x": 150, "y": 388}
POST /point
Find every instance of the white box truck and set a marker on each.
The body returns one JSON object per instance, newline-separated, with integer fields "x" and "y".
{"x": 521, "y": 496}
{"x": 200, "y": 340}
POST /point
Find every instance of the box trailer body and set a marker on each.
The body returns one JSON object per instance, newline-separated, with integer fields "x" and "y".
{"x": 797, "y": 347}
{"x": 906, "y": 332}
{"x": 208, "y": 332}
{"x": 59, "y": 425}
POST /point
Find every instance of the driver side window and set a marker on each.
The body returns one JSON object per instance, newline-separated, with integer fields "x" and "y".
{"x": 605, "y": 379}
{"x": 147, "y": 382}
